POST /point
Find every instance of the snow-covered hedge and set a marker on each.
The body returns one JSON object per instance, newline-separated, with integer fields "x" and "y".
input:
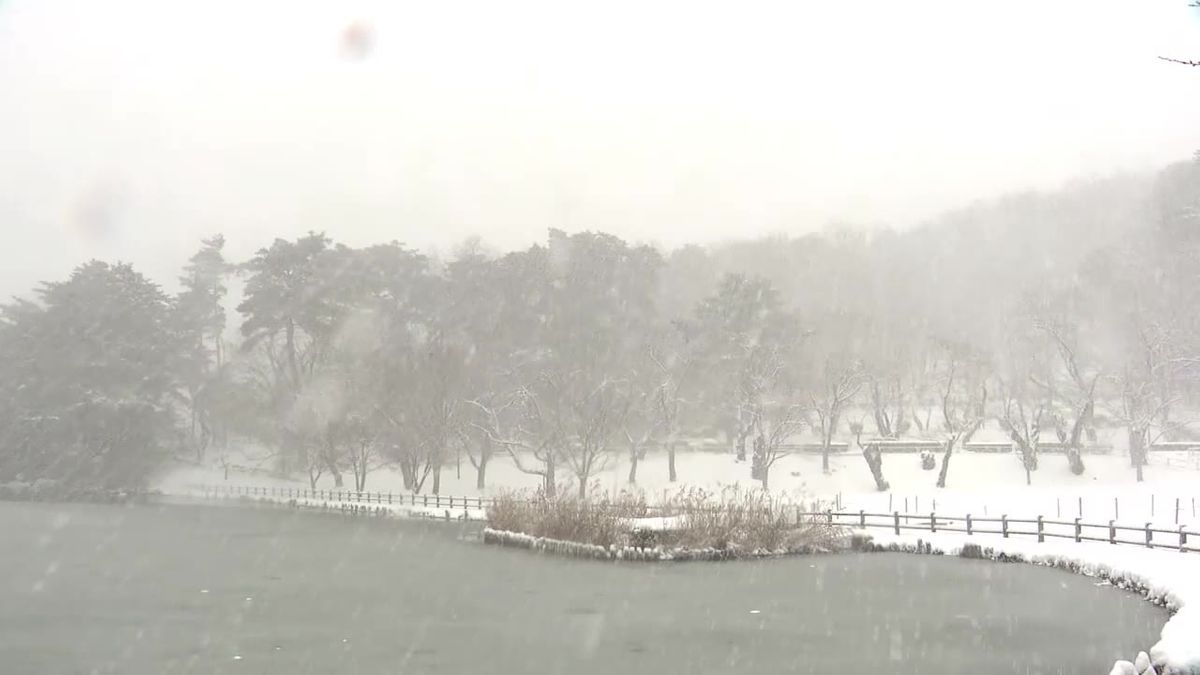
{"x": 576, "y": 549}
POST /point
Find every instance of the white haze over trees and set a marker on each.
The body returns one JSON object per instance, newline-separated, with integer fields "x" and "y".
{"x": 549, "y": 233}
{"x": 1052, "y": 314}
{"x": 130, "y": 129}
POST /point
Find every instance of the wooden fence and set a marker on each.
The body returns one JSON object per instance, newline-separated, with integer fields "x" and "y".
{"x": 1040, "y": 527}
{"x": 348, "y": 496}
{"x": 1075, "y": 529}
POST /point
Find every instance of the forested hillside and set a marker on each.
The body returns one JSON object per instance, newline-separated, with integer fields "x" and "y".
{"x": 1051, "y": 313}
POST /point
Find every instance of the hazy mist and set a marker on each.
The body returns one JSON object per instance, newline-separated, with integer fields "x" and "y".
{"x": 131, "y": 128}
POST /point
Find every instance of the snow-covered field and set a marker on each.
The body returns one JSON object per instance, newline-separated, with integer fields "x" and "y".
{"x": 980, "y": 484}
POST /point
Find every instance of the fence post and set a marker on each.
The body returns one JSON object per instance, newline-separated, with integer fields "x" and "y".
{"x": 969, "y": 532}
{"x": 1152, "y": 505}
{"x": 1081, "y": 507}
{"x": 1004, "y": 525}
{"x": 451, "y": 501}
{"x": 862, "y": 518}
{"x": 424, "y": 500}
{"x": 1182, "y": 540}
{"x": 479, "y": 502}
{"x": 1177, "y": 510}
{"x": 933, "y": 521}
{"x": 897, "y": 523}
{"x": 1041, "y": 531}
{"x": 1116, "y": 508}
{"x": 829, "y": 516}
{"x": 1078, "y": 531}
{"x": 1112, "y": 532}
{"x": 1057, "y": 507}
{"x": 412, "y": 499}
{"x": 1149, "y": 536}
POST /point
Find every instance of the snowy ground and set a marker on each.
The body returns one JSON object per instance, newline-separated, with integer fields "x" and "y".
{"x": 980, "y": 484}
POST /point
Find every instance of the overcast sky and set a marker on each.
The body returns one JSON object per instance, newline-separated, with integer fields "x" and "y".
{"x": 131, "y": 128}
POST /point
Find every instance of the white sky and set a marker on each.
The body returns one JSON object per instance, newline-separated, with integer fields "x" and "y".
{"x": 131, "y": 128}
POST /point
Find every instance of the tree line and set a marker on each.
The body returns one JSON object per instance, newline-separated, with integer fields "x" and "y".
{"x": 1050, "y": 314}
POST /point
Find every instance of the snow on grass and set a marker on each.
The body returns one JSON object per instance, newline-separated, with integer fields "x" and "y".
{"x": 981, "y": 484}
{"x": 656, "y": 523}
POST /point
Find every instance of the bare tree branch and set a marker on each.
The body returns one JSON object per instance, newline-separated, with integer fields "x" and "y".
{"x": 1180, "y": 61}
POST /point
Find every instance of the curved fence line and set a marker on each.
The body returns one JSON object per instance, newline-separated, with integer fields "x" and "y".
{"x": 1076, "y": 529}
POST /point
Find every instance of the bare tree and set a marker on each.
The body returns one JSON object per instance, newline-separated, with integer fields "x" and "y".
{"x": 533, "y": 431}
{"x": 774, "y": 426}
{"x": 639, "y": 424}
{"x": 872, "y": 454}
{"x": 595, "y": 416}
{"x": 1078, "y": 397}
{"x": 673, "y": 364}
{"x": 841, "y": 382}
{"x": 889, "y": 406}
{"x": 1024, "y": 428}
{"x": 1145, "y": 392}
{"x": 963, "y": 401}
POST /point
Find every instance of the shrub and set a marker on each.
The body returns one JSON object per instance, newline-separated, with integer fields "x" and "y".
{"x": 734, "y": 520}
{"x": 592, "y": 520}
{"x": 749, "y": 520}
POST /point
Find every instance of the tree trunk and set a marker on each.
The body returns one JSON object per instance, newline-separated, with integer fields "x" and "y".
{"x": 758, "y": 460}
{"x": 1075, "y": 461}
{"x": 437, "y": 479}
{"x": 941, "y": 481}
{"x": 1137, "y": 451}
{"x": 672, "y": 476}
{"x": 764, "y": 473}
{"x": 874, "y": 459}
{"x": 333, "y": 471}
{"x": 408, "y": 473}
{"x": 481, "y": 471}
{"x": 826, "y": 441}
{"x": 549, "y": 481}
{"x": 633, "y": 464}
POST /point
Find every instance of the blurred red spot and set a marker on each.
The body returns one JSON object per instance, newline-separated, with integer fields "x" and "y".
{"x": 357, "y": 40}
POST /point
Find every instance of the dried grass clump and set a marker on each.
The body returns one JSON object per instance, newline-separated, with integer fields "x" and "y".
{"x": 595, "y": 520}
{"x": 748, "y": 520}
{"x": 735, "y": 520}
